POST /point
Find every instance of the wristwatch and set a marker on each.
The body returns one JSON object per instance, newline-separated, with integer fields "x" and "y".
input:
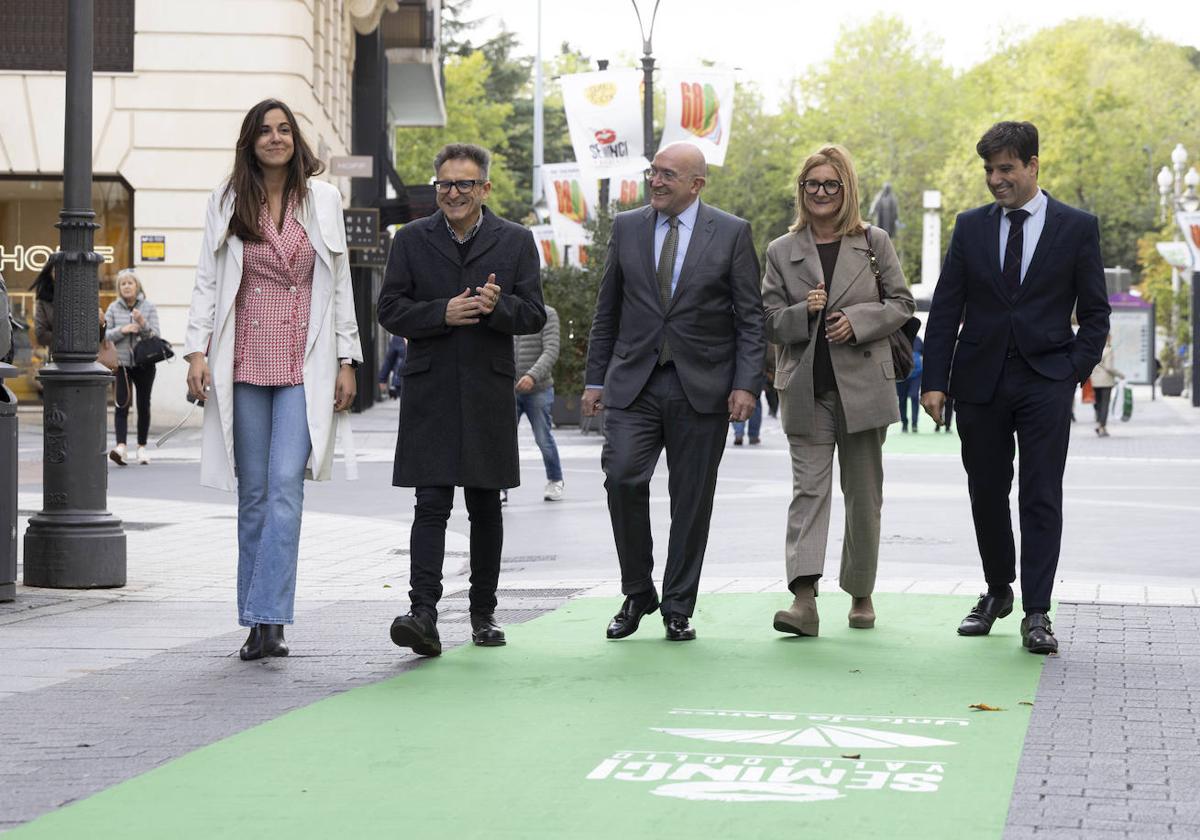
{"x": 351, "y": 362}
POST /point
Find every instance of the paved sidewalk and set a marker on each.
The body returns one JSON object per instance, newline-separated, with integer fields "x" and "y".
{"x": 100, "y": 686}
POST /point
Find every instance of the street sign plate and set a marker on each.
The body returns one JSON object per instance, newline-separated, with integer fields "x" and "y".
{"x": 352, "y": 166}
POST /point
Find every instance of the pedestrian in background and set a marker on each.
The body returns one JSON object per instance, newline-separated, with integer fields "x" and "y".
{"x": 129, "y": 319}
{"x": 1104, "y": 377}
{"x": 43, "y": 307}
{"x": 391, "y": 372}
{"x": 1013, "y": 367}
{"x": 535, "y": 356}
{"x": 5, "y": 326}
{"x": 769, "y": 388}
{"x": 272, "y": 343}
{"x": 836, "y": 381}
{"x": 908, "y": 391}
{"x": 755, "y": 421}
{"x": 675, "y": 353}
{"x": 458, "y": 285}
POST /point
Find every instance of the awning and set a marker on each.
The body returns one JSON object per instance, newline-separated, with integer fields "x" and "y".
{"x": 415, "y": 92}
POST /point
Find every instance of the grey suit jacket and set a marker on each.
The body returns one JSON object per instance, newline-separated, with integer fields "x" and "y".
{"x": 714, "y": 321}
{"x": 862, "y": 367}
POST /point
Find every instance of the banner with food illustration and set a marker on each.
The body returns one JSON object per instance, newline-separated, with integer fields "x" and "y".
{"x": 627, "y": 188}
{"x": 549, "y": 253}
{"x": 578, "y": 256}
{"x": 604, "y": 115}
{"x": 572, "y": 200}
{"x": 699, "y": 110}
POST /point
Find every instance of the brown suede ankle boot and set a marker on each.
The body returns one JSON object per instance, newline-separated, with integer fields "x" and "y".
{"x": 862, "y": 613}
{"x": 801, "y": 617}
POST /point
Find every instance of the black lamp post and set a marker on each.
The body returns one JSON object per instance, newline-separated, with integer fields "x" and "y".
{"x": 74, "y": 542}
{"x": 648, "y": 78}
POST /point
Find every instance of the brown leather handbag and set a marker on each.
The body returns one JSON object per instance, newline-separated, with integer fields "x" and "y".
{"x": 107, "y": 355}
{"x": 901, "y": 341}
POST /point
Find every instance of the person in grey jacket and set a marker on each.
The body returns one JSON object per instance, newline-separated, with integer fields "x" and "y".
{"x": 5, "y": 327}
{"x": 129, "y": 319}
{"x": 535, "y": 355}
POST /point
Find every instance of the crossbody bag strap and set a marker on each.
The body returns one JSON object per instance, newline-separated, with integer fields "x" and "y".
{"x": 874, "y": 263}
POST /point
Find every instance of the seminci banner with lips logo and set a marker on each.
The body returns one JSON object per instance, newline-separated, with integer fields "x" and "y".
{"x": 571, "y": 198}
{"x": 604, "y": 115}
{"x": 699, "y": 110}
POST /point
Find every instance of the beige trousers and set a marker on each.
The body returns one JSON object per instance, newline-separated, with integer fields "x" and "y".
{"x": 860, "y": 460}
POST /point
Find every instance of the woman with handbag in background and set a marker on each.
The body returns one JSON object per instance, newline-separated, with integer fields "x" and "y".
{"x": 129, "y": 319}
{"x": 272, "y": 343}
{"x": 833, "y": 294}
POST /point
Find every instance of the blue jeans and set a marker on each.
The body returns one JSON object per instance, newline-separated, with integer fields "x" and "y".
{"x": 739, "y": 428}
{"x": 536, "y": 406}
{"x": 271, "y": 447}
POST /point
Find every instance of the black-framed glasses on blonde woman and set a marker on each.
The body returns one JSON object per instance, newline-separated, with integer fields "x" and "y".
{"x": 813, "y": 187}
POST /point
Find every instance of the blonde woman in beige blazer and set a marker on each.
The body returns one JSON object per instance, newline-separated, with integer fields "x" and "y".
{"x": 834, "y": 374}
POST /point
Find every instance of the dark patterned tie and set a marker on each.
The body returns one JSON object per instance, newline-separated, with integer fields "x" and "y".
{"x": 666, "y": 269}
{"x": 1014, "y": 250}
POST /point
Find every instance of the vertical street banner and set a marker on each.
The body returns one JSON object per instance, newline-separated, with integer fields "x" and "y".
{"x": 604, "y": 115}
{"x": 699, "y": 110}
{"x": 627, "y": 188}
{"x": 572, "y": 199}
{"x": 1189, "y": 226}
{"x": 548, "y": 251}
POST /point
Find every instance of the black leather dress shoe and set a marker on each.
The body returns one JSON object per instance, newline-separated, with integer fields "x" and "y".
{"x": 626, "y": 622}
{"x": 1037, "y": 635}
{"x": 272, "y": 640}
{"x": 418, "y": 632}
{"x": 485, "y": 632}
{"x": 979, "y": 620}
{"x": 253, "y": 647}
{"x": 678, "y": 628}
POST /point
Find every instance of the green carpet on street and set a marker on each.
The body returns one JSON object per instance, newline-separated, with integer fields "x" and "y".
{"x": 562, "y": 734}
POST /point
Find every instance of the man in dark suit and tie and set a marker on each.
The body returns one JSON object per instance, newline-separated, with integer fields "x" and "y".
{"x": 675, "y": 352}
{"x": 1014, "y": 273}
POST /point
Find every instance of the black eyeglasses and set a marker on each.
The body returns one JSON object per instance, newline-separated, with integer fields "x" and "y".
{"x": 814, "y": 187}
{"x": 463, "y": 186}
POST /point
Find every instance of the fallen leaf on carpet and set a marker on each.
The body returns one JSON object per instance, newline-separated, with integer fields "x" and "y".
{"x": 984, "y": 707}
{"x": 853, "y": 755}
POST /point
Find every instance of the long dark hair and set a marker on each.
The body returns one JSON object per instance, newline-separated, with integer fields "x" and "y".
{"x": 246, "y": 182}
{"x": 43, "y": 285}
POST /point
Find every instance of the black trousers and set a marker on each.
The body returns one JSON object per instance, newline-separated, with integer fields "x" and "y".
{"x": 1103, "y": 401}
{"x": 427, "y": 547}
{"x": 661, "y": 417}
{"x": 1037, "y": 411}
{"x": 141, "y": 380}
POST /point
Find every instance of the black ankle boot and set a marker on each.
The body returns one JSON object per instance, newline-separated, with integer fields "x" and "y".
{"x": 272, "y": 640}
{"x": 253, "y": 647}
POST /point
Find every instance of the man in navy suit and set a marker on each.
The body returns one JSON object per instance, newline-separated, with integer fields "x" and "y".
{"x": 1014, "y": 273}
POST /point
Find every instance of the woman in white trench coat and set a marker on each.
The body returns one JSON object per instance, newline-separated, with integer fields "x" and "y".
{"x": 272, "y": 343}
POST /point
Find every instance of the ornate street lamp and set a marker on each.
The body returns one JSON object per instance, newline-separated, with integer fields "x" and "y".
{"x": 74, "y": 542}
{"x": 1165, "y": 182}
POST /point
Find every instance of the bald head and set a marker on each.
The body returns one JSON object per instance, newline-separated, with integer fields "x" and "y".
{"x": 688, "y": 157}
{"x": 679, "y": 173}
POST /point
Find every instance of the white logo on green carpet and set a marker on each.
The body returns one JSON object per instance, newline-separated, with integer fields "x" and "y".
{"x": 786, "y": 777}
{"x": 845, "y": 737}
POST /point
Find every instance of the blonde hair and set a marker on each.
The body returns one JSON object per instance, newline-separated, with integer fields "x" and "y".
{"x": 849, "y": 219}
{"x": 129, "y": 272}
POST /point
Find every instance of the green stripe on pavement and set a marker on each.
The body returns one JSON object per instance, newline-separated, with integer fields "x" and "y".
{"x": 562, "y": 734}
